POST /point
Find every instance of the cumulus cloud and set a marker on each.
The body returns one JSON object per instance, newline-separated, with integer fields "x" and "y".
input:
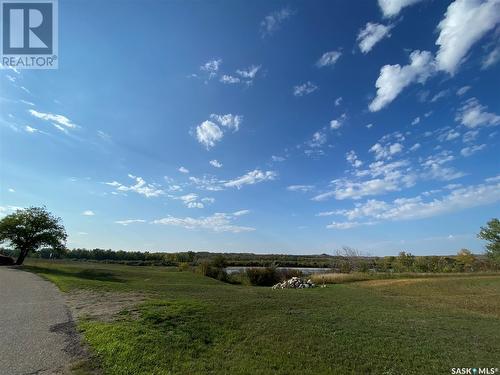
{"x": 140, "y": 187}
{"x": 229, "y": 121}
{"x": 471, "y": 150}
{"x": 304, "y": 89}
{"x": 352, "y": 158}
{"x": 218, "y": 222}
{"x": 209, "y": 132}
{"x": 183, "y": 170}
{"x": 129, "y": 221}
{"x": 251, "y": 178}
{"x": 228, "y": 79}
{"x": 215, "y": 163}
{"x": 386, "y": 151}
{"x": 379, "y": 178}
{"x": 394, "y": 78}
{"x": 434, "y": 167}
{"x": 338, "y": 122}
{"x": 249, "y": 73}
{"x": 465, "y": 22}
{"x": 371, "y": 34}
{"x": 472, "y": 115}
{"x": 273, "y": 21}
{"x": 457, "y": 199}
{"x": 211, "y": 67}
{"x": 391, "y": 8}
{"x": 328, "y": 59}
{"x": 88, "y": 213}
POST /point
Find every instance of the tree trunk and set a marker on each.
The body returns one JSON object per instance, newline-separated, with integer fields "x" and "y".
{"x": 21, "y": 257}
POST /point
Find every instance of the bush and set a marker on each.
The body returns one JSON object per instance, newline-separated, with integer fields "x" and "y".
{"x": 213, "y": 269}
{"x": 263, "y": 276}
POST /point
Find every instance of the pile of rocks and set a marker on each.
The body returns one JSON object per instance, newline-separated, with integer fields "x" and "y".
{"x": 294, "y": 283}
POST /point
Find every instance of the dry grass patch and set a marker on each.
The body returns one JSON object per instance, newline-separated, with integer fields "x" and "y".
{"x": 102, "y": 306}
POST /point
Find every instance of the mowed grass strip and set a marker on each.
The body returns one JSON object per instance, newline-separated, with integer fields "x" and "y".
{"x": 195, "y": 325}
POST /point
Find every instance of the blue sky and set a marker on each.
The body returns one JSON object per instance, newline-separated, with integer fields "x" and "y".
{"x": 264, "y": 126}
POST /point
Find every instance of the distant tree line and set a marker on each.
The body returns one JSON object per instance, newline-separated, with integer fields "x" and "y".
{"x": 345, "y": 261}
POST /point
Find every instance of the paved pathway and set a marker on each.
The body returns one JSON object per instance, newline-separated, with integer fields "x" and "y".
{"x": 37, "y": 333}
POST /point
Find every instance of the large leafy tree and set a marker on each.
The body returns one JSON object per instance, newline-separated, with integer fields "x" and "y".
{"x": 31, "y": 228}
{"x": 491, "y": 234}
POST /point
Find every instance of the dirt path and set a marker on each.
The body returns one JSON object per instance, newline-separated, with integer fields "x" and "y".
{"x": 37, "y": 332}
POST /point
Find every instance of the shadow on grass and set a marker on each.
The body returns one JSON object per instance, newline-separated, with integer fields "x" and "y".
{"x": 87, "y": 274}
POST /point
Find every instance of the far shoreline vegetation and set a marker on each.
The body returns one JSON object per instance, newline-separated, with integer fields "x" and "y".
{"x": 34, "y": 232}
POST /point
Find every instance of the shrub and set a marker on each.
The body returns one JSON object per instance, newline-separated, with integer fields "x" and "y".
{"x": 263, "y": 276}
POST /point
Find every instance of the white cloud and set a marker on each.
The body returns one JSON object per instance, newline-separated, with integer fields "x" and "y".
{"x": 416, "y": 121}
{"x": 218, "y": 222}
{"x": 211, "y": 67}
{"x": 472, "y": 115}
{"x": 304, "y": 89}
{"x": 394, "y": 78}
{"x": 241, "y": 212}
{"x": 386, "y": 151}
{"x": 59, "y": 121}
{"x": 229, "y": 120}
{"x": 417, "y": 208}
{"x": 338, "y": 101}
{"x": 129, "y": 221}
{"x": 10, "y": 190}
{"x": 318, "y": 139}
{"x": 391, "y": 8}
{"x": 140, "y": 187}
{"x": 448, "y": 135}
{"x": 434, "y": 167}
{"x": 183, "y": 170}
{"x": 228, "y": 79}
{"x": 371, "y": 35}
{"x": 470, "y": 150}
{"x": 29, "y": 129}
{"x": 344, "y": 225}
{"x": 273, "y": 21}
{"x": 250, "y": 72}
{"x": 491, "y": 58}
{"x": 352, "y": 158}
{"x": 369, "y": 126}
{"x": 302, "y": 188}
{"x": 415, "y": 147}
{"x": 277, "y": 159}
{"x": 251, "y": 178}
{"x": 441, "y": 94}
{"x": 103, "y": 135}
{"x": 88, "y": 213}
{"x": 470, "y": 136}
{"x": 465, "y": 22}
{"x": 191, "y": 200}
{"x": 328, "y": 59}
{"x": 215, "y": 163}
{"x": 463, "y": 90}
{"x": 208, "y": 134}
{"x": 337, "y": 123}
{"x": 383, "y": 178}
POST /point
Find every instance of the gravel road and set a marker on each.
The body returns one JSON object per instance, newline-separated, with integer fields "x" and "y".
{"x": 37, "y": 332}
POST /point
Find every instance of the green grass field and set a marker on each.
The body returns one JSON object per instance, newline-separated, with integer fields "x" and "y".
{"x": 191, "y": 324}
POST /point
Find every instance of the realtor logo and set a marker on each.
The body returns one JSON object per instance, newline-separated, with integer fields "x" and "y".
{"x": 29, "y": 34}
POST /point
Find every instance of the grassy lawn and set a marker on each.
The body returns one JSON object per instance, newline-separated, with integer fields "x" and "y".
{"x": 191, "y": 324}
